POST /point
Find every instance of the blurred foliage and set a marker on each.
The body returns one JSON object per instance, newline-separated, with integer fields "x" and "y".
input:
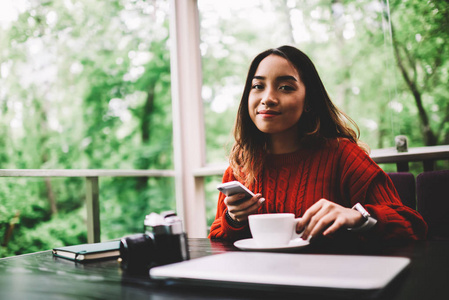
{"x": 353, "y": 47}
{"x": 86, "y": 85}
{"x": 351, "y": 44}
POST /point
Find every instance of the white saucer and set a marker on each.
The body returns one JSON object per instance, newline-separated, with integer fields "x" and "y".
{"x": 250, "y": 244}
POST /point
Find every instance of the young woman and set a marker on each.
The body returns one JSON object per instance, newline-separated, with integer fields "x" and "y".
{"x": 294, "y": 147}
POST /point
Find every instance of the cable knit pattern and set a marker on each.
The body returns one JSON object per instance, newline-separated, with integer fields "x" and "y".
{"x": 340, "y": 172}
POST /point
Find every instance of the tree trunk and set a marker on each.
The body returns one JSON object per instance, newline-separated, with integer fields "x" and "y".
{"x": 10, "y": 229}
{"x": 145, "y": 133}
{"x": 44, "y": 154}
{"x": 286, "y": 11}
{"x": 381, "y": 132}
{"x": 51, "y": 196}
{"x": 343, "y": 88}
{"x": 429, "y": 137}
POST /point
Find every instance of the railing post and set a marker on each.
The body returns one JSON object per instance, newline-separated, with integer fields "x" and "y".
{"x": 402, "y": 166}
{"x": 188, "y": 117}
{"x": 93, "y": 210}
{"x": 428, "y": 165}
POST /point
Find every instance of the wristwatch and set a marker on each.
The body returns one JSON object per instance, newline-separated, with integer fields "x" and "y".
{"x": 365, "y": 214}
{"x": 369, "y": 221}
{"x": 232, "y": 222}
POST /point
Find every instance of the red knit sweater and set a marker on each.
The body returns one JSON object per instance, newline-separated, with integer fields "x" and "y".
{"x": 340, "y": 172}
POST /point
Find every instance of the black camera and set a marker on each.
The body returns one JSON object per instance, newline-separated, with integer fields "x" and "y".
{"x": 163, "y": 242}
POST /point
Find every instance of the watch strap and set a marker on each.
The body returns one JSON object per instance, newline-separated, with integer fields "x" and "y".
{"x": 369, "y": 221}
{"x": 368, "y": 224}
{"x": 232, "y": 222}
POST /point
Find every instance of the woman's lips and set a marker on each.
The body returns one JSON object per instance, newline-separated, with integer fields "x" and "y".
{"x": 268, "y": 113}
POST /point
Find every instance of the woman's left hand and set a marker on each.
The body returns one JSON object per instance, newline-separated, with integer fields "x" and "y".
{"x": 327, "y": 217}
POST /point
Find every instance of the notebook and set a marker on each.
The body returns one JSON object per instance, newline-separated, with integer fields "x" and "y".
{"x": 352, "y": 272}
{"x": 88, "y": 252}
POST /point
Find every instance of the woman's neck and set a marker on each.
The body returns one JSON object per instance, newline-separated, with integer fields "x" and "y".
{"x": 281, "y": 144}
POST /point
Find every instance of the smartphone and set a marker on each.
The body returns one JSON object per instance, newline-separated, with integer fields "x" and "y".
{"x": 234, "y": 187}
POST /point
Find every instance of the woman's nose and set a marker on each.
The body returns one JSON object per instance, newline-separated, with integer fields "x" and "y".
{"x": 269, "y": 98}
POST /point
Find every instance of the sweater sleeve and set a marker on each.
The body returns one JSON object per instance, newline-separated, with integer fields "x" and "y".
{"x": 220, "y": 228}
{"x": 365, "y": 182}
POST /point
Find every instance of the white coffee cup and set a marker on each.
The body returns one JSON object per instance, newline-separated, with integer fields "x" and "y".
{"x": 275, "y": 229}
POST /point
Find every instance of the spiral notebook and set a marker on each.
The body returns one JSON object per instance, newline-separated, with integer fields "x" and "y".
{"x": 265, "y": 270}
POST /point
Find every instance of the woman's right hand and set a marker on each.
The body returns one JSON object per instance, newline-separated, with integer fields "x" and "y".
{"x": 239, "y": 209}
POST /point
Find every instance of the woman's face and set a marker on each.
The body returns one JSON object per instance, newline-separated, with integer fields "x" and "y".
{"x": 277, "y": 96}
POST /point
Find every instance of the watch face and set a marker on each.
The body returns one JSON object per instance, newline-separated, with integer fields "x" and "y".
{"x": 365, "y": 215}
{"x": 362, "y": 210}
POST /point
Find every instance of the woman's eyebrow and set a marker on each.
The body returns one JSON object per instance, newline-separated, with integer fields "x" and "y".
{"x": 286, "y": 78}
{"x": 280, "y": 78}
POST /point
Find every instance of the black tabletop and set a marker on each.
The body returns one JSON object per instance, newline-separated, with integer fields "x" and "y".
{"x": 43, "y": 276}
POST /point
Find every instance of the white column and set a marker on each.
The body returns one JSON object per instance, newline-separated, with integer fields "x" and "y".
{"x": 188, "y": 125}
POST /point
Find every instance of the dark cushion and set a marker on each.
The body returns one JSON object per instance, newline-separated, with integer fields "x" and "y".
{"x": 432, "y": 190}
{"x": 404, "y": 182}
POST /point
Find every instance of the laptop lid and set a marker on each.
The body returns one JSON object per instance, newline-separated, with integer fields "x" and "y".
{"x": 287, "y": 270}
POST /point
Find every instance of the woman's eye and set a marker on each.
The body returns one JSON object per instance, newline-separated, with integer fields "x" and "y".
{"x": 257, "y": 86}
{"x": 286, "y": 88}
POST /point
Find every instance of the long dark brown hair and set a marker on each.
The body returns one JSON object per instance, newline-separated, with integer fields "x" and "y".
{"x": 321, "y": 119}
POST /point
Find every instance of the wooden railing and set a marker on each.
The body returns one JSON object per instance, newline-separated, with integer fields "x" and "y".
{"x": 92, "y": 188}
{"x": 426, "y": 155}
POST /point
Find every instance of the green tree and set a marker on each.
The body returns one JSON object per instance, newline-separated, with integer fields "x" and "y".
{"x": 84, "y": 85}
{"x": 420, "y": 41}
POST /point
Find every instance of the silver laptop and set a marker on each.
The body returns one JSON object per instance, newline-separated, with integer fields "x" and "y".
{"x": 259, "y": 269}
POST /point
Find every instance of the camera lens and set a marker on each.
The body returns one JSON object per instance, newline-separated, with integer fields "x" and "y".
{"x": 136, "y": 252}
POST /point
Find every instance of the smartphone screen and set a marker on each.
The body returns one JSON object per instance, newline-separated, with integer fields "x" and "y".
{"x": 234, "y": 187}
